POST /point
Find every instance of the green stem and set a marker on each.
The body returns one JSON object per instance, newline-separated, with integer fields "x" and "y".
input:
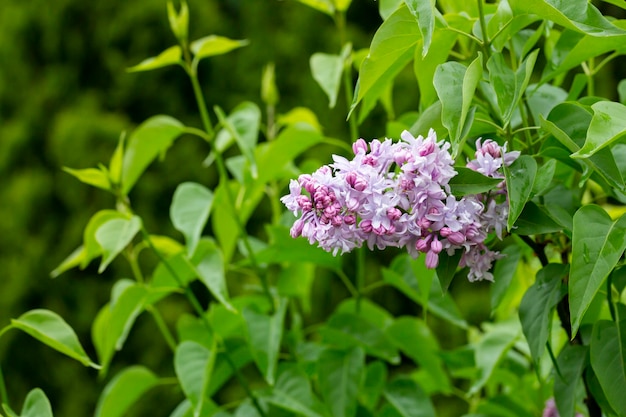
{"x": 197, "y": 91}
{"x": 193, "y": 300}
{"x": 221, "y": 166}
{"x": 165, "y": 331}
{"x": 4, "y": 397}
{"x": 346, "y": 281}
{"x": 591, "y": 72}
{"x": 483, "y": 27}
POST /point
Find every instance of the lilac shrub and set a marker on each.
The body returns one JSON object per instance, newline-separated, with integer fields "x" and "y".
{"x": 398, "y": 194}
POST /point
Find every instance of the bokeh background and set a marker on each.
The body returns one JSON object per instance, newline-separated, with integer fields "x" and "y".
{"x": 65, "y": 98}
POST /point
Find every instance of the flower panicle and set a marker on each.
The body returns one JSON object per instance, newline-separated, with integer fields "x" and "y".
{"x": 397, "y": 194}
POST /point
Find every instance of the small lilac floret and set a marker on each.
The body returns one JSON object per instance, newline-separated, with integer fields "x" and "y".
{"x": 397, "y": 194}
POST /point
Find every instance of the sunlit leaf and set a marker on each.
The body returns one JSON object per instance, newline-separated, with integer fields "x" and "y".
{"x": 324, "y": 6}
{"x": 537, "y": 306}
{"x": 91, "y": 246}
{"x": 50, "y": 329}
{"x": 152, "y": 138}
{"x": 74, "y": 259}
{"x": 171, "y": 56}
{"x": 597, "y": 245}
{"x": 214, "y": 45}
{"x": 269, "y": 90}
{"x": 520, "y": 178}
{"x": 124, "y": 390}
{"x": 190, "y": 210}
{"x": 327, "y": 71}
{"x": 608, "y": 359}
{"x": 390, "y": 51}
{"x": 117, "y": 160}
{"x": 387, "y": 7}
{"x": 339, "y": 376}
{"x": 179, "y": 21}
{"x": 114, "y": 235}
{"x": 265, "y": 335}
{"x": 91, "y": 176}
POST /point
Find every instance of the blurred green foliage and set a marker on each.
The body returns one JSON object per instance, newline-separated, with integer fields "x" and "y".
{"x": 65, "y": 98}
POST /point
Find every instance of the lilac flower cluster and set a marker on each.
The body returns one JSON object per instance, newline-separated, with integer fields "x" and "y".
{"x": 397, "y": 194}
{"x": 551, "y": 411}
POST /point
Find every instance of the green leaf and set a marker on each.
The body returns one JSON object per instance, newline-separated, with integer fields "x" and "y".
{"x": 424, "y": 12}
{"x": 348, "y": 329}
{"x": 124, "y": 390}
{"x": 467, "y": 181}
{"x": 597, "y": 245}
{"x": 534, "y": 220}
{"x": 179, "y": 22}
{"x": 607, "y": 126}
{"x": 74, "y": 259}
{"x": 503, "y": 274}
{"x": 455, "y": 84}
{"x": 413, "y": 337}
{"x": 91, "y": 246}
{"x": 327, "y": 70}
{"x": 171, "y": 56}
{"x": 579, "y": 15}
{"x": 190, "y": 210}
{"x": 265, "y": 335}
{"x": 520, "y": 178}
{"x": 152, "y": 138}
{"x": 373, "y": 385}
{"x": 537, "y": 306}
{"x": 293, "y": 392}
{"x": 392, "y": 48}
{"x": 509, "y": 85}
{"x": 408, "y": 398}
{"x": 571, "y": 363}
{"x": 569, "y": 123}
{"x": 387, "y": 7}
{"x": 587, "y": 48}
{"x": 50, "y": 329}
{"x": 443, "y": 40}
{"x": 114, "y": 235}
{"x": 117, "y": 159}
{"x": 242, "y": 126}
{"x": 324, "y": 6}
{"x": 284, "y": 248}
{"x": 446, "y": 269}
{"x": 608, "y": 360}
{"x": 339, "y": 375}
{"x": 209, "y": 267}
{"x": 214, "y": 45}
{"x": 269, "y": 91}
{"x": 91, "y": 176}
{"x": 193, "y": 364}
{"x": 111, "y": 328}
{"x": 490, "y": 350}
{"x": 36, "y": 404}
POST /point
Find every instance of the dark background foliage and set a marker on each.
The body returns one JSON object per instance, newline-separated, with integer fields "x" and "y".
{"x": 65, "y": 98}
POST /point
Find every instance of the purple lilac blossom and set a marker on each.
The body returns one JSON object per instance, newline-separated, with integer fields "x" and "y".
{"x": 551, "y": 411}
{"x": 397, "y": 194}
